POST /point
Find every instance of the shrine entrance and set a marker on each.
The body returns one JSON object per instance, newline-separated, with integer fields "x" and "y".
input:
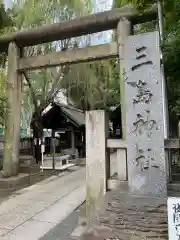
{"x": 140, "y": 84}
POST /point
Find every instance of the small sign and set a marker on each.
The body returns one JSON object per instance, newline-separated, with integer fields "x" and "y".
{"x": 174, "y": 218}
{"x": 42, "y": 149}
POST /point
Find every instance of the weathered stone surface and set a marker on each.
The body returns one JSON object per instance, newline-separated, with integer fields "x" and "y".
{"x": 96, "y": 160}
{"x": 128, "y": 217}
{"x": 99, "y": 233}
{"x": 22, "y": 213}
{"x": 144, "y": 115}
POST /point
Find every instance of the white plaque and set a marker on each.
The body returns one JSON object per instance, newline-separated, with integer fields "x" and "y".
{"x": 174, "y": 218}
{"x": 42, "y": 148}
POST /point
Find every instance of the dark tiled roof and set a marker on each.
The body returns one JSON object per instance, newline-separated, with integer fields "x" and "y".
{"x": 75, "y": 115}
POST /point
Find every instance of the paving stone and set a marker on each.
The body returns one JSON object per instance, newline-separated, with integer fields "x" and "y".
{"x": 61, "y": 209}
{"x": 63, "y": 230}
{"x": 3, "y": 231}
{"x": 79, "y": 231}
{"x": 21, "y": 208}
{"x": 130, "y": 217}
{"x": 31, "y": 230}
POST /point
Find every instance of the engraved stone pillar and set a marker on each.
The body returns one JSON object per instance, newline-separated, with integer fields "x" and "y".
{"x": 144, "y": 115}
{"x": 97, "y": 160}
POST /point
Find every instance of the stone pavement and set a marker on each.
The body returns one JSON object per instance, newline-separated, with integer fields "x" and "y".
{"x": 31, "y": 212}
{"x": 69, "y": 229}
{"x": 129, "y": 217}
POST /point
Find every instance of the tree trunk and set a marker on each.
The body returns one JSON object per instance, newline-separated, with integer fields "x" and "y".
{"x": 37, "y": 145}
{"x": 37, "y": 133}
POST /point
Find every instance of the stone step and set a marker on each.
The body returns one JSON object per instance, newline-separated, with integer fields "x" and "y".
{"x": 124, "y": 208}
{"x": 28, "y": 159}
{"x": 25, "y": 168}
{"x": 37, "y": 177}
{"x": 20, "y": 180}
{"x": 80, "y": 161}
{"x": 174, "y": 187}
{"x": 176, "y": 177}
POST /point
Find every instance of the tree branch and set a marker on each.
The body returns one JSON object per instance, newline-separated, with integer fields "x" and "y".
{"x": 51, "y": 94}
{"x": 31, "y": 90}
{"x": 57, "y": 76}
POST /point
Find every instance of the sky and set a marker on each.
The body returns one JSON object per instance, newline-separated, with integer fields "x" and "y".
{"x": 7, "y": 3}
{"x": 98, "y": 6}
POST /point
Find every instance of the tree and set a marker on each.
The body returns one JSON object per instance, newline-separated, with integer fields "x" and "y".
{"x": 92, "y": 85}
{"x": 5, "y": 22}
{"x": 43, "y": 85}
{"x": 26, "y": 14}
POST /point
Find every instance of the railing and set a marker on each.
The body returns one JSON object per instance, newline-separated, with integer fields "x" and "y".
{"x": 121, "y": 157}
{"x": 26, "y": 146}
{"x": 172, "y": 154}
{"x": 172, "y": 147}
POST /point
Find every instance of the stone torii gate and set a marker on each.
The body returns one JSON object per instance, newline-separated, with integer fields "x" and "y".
{"x": 122, "y": 19}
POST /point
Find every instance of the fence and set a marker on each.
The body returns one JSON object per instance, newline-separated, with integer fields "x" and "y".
{"x": 172, "y": 153}
{"x": 26, "y": 146}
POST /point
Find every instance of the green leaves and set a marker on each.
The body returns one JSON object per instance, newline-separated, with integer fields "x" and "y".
{"x": 93, "y": 85}
{"x": 33, "y": 13}
{"x": 3, "y": 102}
{"x": 5, "y": 19}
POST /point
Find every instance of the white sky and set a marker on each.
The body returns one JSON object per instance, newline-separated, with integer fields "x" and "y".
{"x": 102, "y": 5}
{"x": 98, "y": 6}
{"x": 7, "y": 3}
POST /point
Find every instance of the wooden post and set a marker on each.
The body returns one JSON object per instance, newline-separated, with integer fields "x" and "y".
{"x": 73, "y": 142}
{"x": 53, "y": 151}
{"x": 124, "y": 29}
{"x": 178, "y": 130}
{"x": 12, "y": 125}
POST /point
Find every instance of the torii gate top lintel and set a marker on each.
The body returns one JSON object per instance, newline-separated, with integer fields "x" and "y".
{"x": 76, "y": 27}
